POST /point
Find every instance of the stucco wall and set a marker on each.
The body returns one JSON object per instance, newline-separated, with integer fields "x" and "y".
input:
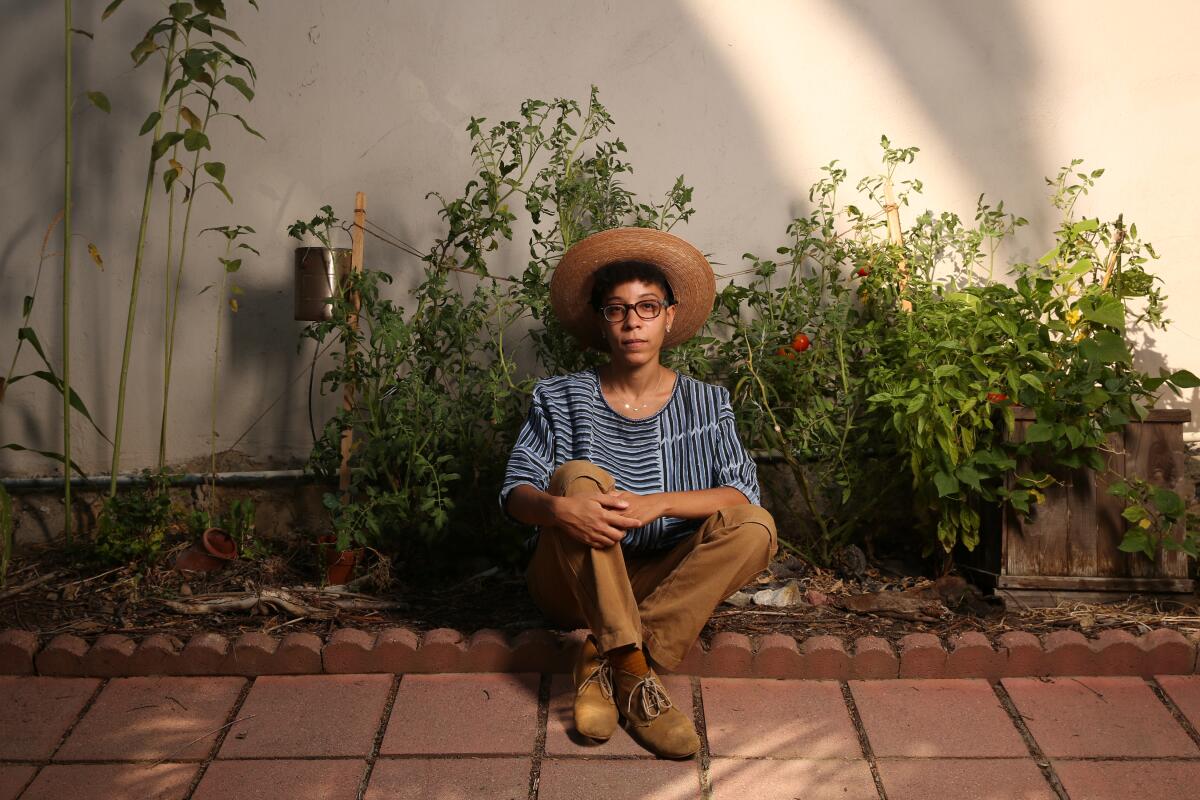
{"x": 747, "y": 99}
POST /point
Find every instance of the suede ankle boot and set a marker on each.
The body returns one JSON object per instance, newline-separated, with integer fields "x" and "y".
{"x": 651, "y": 718}
{"x": 595, "y": 709}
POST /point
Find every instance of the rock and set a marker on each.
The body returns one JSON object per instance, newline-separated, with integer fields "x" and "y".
{"x": 815, "y": 598}
{"x": 784, "y": 597}
{"x": 851, "y": 561}
{"x": 739, "y": 599}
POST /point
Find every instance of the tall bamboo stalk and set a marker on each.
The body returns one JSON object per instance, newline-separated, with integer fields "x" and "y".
{"x": 66, "y": 275}
{"x": 173, "y": 295}
{"x": 137, "y": 268}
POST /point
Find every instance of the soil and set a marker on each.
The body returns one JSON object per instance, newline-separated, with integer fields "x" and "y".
{"x": 60, "y": 596}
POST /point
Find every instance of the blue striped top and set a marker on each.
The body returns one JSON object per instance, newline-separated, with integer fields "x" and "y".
{"x": 691, "y": 443}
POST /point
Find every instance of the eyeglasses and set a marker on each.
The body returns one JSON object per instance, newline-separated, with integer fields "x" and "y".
{"x": 646, "y": 309}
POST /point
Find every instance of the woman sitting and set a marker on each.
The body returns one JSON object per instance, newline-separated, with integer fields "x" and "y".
{"x": 645, "y": 499}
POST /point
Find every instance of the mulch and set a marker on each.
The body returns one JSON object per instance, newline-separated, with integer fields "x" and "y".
{"x": 48, "y": 594}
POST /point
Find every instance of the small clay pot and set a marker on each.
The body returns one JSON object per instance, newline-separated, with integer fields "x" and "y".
{"x": 339, "y": 566}
{"x": 219, "y": 544}
{"x": 195, "y": 559}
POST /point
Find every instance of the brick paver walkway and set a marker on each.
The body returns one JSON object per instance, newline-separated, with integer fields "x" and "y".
{"x": 501, "y": 736}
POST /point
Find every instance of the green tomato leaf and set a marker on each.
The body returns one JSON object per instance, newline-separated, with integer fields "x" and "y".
{"x": 1033, "y": 381}
{"x": 1040, "y": 432}
{"x": 946, "y": 484}
{"x": 1105, "y": 347}
{"x": 1134, "y": 514}
{"x": 1184, "y": 379}
{"x": 1103, "y": 310}
{"x": 1134, "y": 542}
{"x": 1168, "y": 502}
{"x": 216, "y": 169}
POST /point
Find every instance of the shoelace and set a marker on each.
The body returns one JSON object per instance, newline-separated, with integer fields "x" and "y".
{"x": 651, "y": 696}
{"x": 602, "y": 677}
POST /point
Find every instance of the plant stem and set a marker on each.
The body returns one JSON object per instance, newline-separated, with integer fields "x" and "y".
{"x": 174, "y": 302}
{"x": 66, "y": 277}
{"x": 168, "y": 324}
{"x": 137, "y": 271}
{"x": 212, "y": 440}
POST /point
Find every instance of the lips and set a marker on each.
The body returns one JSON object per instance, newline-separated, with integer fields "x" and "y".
{"x": 633, "y": 342}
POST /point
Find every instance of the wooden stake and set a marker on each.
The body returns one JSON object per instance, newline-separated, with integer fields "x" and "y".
{"x": 356, "y": 265}
{"x": 895, "y": 236}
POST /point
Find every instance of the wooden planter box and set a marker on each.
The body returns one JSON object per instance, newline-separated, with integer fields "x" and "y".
{"x": 1068, "y": 548}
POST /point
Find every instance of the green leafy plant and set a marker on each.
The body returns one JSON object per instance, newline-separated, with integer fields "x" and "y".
{"x": 133, "y": 525}
{"x": 438, "y": 397}
{"x": 320, "y": 227}
{"x": 61, "y": 383}
{"x": 1154, "y": 514}
{"x": 915, "y": 356}
{"x": 195, "y": 64}
{"x": 229, "y": 266}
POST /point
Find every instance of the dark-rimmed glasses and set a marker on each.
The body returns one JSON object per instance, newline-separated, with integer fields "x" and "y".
{"x": 646, "y": 309}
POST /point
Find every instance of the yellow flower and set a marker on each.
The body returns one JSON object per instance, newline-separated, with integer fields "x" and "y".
{"x": 1144, "y": 524}
{"x": 1073, "y": 316}
{"x": 1079, "y": 335}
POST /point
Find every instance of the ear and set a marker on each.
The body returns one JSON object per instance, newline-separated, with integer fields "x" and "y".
{"x": 671, "y": 316}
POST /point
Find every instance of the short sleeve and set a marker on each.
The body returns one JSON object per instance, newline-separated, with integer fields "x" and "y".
{"x": 732, "y": 465}
{"x": 531, "y": 460}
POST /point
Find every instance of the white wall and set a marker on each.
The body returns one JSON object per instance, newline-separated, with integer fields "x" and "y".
{"x": 747, "y": 99}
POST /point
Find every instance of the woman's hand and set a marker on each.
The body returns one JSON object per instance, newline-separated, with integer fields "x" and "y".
{"x": 643, "y": 507}
{"x": 597, "y": 520}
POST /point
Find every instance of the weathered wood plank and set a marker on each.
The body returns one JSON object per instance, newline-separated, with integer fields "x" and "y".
{"x": 1111, "y": 583}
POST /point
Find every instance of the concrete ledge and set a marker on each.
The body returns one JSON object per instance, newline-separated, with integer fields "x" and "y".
{"x": 730, "y": 655}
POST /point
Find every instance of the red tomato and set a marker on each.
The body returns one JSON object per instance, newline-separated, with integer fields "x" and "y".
{"x": 863, "y": 272}
{"x": 801, "y": 342}
{"x": 783, "y": 352}
{"x": 996, "y": 397}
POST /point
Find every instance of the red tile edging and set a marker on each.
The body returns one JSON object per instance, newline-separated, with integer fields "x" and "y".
{"x": 730, "y": 655}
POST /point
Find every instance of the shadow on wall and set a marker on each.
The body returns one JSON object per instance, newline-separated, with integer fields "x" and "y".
{"x": 970, "y": 68}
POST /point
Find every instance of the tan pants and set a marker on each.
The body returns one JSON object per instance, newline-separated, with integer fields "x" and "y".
{"x": 660, "y": 599}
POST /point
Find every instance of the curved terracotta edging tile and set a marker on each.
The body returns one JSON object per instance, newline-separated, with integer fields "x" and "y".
{"x": 730, "y": 655}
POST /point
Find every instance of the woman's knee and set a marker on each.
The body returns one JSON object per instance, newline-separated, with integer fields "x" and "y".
{"x": 749, "y": 522}
{"x": 571, "y": 471}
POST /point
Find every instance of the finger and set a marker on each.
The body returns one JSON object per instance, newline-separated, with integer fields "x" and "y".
{"x": 612, "y": 501}
{"x": 612, "y": 535}
{"x": 623, "y": 521}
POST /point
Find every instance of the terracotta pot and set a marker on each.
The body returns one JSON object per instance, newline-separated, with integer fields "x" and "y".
{"x": 195, "y": 559}
{"x": 219, "y": 544}
{"x": 339, "y": 566}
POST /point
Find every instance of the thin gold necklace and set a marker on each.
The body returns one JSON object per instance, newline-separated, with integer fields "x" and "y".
{"x": 652, "y": 393}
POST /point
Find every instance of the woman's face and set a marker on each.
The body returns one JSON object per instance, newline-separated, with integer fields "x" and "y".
{"x": 634, "y": 340}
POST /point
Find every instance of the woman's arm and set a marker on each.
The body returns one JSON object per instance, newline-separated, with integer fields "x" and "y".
{"x": 597, "y": 520}
{"x": 696, "y": 504}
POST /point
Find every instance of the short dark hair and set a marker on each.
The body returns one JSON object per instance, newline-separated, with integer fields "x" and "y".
{"x": 619, "y": 272}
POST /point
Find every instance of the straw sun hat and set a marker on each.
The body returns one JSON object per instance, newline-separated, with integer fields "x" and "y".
{"x": 687, "y": 271}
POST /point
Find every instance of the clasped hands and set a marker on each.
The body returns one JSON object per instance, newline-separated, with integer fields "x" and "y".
{"x": 601, "y": 520}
